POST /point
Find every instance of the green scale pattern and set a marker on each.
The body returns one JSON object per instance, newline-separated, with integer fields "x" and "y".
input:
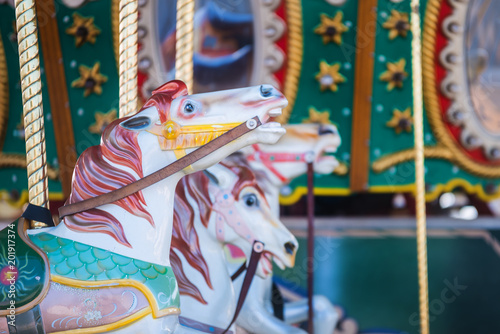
{"x": 83, "y": 262}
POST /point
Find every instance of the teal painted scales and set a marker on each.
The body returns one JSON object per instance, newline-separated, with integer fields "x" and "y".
{"x": 84, "y": 263}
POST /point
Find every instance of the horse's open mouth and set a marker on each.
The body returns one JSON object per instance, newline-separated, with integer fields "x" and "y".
{"x": 266, "y": 262}
{"x": 326, "y": 154}
{"x": 270, "y": 126}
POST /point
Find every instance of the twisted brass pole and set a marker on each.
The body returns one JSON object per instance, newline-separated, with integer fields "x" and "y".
{"x": 128, "y": 17}
{"x": 184, "y": 46}
{"x": 31, "y": 87}
{"x": 419, "y": 167}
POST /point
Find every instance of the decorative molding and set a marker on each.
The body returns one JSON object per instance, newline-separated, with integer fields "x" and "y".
{"x": 268, "y": 57}
{"x": 58, "y": 95}
{"x": 431, "y": 96}
{"x": 363, "y": 90}
{"x": 393, "y": 159}
{"x": 455, "y": 85}
{"x": 295, "y": 54}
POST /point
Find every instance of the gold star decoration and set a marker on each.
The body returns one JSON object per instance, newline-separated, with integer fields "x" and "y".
{"x": 329, "y": 76}
{"x": 83, "y": 29}
{"x": 90, "y": 79}
{"x": 398, "y": 24}
{"x": 395, "y": 74}
{"x": 318, "y": 117}
{"x": 102, "y": 120}
{"x": 401, "y": 120}
{"x": 331, "y": 28}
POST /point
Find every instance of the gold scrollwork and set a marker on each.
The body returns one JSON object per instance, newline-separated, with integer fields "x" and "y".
{"x": 295, "y": 54}
{"x": 433, "y": 107}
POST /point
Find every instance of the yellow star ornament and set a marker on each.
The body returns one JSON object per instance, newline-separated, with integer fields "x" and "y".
{"x": 331, "y": 28}
{"x": 90, "y": 79}
{"x": 83, "y": 29}
{"x": 102, "y": 120}
{"x": 395, "y": 74}
{"x": 318, "y": 117}
{"x": 329, "y": 76}
{"x": 398, "y": 24}
{"x": 401, "y": 120}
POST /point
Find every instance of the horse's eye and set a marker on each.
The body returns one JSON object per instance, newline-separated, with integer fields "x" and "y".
{"x": 136, "y": 123}
{"x": 189, "y": 108}
{"x": 251, "y": 200}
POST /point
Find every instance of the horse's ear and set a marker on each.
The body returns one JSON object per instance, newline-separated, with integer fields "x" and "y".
{"x": 174, "y": 88}
{"x": 211, "y": 176}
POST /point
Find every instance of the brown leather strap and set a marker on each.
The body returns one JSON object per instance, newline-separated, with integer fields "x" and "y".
{"x": 163, "y": 173}
{"x": 258, "y": 248}
{"x": 239, "y": 271}
{"x": 310, "y": 246}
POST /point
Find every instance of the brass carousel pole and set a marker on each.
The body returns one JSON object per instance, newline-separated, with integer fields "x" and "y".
{"x": 128, "y": 17}
{"x": 31, "y": 87}
{"x": 184, "y": 46}
{"x": 419, "y": 167}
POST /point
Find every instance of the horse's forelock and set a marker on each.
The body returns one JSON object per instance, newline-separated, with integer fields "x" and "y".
{"x": 162, "y": 98}
{"x": 94, "y": 176}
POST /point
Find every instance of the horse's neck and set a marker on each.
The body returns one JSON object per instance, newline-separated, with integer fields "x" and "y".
{"x": 221, "y": 299}
{"x": 149, "y": 243}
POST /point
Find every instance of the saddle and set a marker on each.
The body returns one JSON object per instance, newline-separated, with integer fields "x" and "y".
{"x": 24, "y": 269}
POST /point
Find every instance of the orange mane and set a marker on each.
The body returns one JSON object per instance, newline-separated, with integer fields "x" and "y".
{"x": 185, "y": 239}
{"x": 94, "y": 175}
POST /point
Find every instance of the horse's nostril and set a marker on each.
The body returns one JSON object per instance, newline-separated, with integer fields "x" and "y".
{"x": 266, "y": 91}
{"x": 290, "y": 248}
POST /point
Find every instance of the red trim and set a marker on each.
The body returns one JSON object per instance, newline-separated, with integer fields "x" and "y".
{"x": 441, "y": 42}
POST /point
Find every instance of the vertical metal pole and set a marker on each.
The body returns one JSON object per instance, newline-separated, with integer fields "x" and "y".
{"x": 310, "y": 244}
{"x": 128, "y": 17}
{"x": 419, "y": 167}
{"x": 31, "y": 86}
{"x": 184, "y": 46}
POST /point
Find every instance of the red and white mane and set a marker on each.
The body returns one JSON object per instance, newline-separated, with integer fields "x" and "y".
{"x": 184, "y": 236}
{"x": 100, "y": 169}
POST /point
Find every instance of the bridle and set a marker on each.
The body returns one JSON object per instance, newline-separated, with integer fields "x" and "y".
{"x": 268, "y": 159}
{"x": 163, "y": 173}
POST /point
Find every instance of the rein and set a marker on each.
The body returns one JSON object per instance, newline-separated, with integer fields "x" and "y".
{"x": 269, "y": 158}
{"x": 257, "y": 249}
{"x": 163, "y": 173}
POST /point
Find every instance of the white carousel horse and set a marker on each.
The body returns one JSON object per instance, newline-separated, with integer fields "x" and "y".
{"x": 220, "y": 206}
{"x": 281, "y": 163}
{"x": 110, "y": 266}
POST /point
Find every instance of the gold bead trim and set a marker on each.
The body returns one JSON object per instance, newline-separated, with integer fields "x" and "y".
{"x": 432, "y": 98}
{"x": 295, "y": 55}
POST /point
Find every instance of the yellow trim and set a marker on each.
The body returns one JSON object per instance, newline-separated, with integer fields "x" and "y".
{"x": 430, "y": 152}
{"x": 115, "y": 325}
{"x": 157, "y": 313}
{"x": 301, "y": 191}
{"x": 439, "y": 189}
{"x": 431, "y": 95}
{"x": 294, "y": 56}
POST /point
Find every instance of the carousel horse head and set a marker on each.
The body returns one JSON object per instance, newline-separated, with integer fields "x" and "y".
{"x": 287, "y": 158}
{"x": 232, "y": 208}
{"x": 170, "y": 123}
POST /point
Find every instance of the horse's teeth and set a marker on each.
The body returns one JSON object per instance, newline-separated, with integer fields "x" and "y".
{"x": 275, "y": 112}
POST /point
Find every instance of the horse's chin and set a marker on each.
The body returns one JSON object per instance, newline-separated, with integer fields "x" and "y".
{"x": 269, "y": 133}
